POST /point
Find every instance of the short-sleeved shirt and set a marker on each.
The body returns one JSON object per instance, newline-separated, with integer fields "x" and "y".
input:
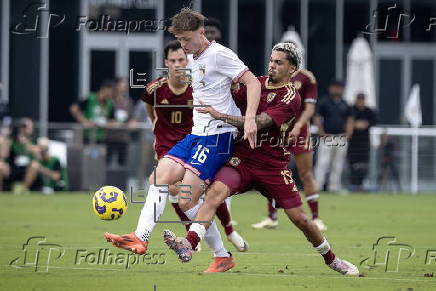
{"x": 95, "y": 111}
{"x": 212, "y": 73}
{"x": 366, "y": 114}
{"x": 283, "y": 105}
{"x": 172, "y": 124}
{"x": 335, "y": 114}
{"x": 54, "y": 164}
{"x": 305, "y": 83}
{"x": 19, "y": 157}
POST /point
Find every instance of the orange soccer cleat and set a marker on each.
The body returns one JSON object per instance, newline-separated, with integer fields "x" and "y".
{"x": 220, "y": 264}
{"x": 128, "y": 242}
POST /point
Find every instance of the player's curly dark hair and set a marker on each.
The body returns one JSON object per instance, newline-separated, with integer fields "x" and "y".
{"x": 172, "y": 45}
{"x": 186, "y": 20}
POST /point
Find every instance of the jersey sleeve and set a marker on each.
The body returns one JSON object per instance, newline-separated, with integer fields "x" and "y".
{"x": 286, "y": 108}
{"x": 240, "y": 97}
{"x": 311, "y": 90}
{"x": 150, "y": 89}
{"x": 230, "y": 65}
{"x": 147, "y": 98}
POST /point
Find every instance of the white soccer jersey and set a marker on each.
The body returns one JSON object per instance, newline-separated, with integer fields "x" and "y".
{"x": 212, "y": 73}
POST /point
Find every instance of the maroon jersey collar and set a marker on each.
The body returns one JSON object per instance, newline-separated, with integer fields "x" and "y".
{"x": 179, "y": 92}
{"x": 267, "y": 86}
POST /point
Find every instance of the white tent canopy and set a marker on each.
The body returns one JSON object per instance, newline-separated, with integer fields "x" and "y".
{"x": 360, "y": 72}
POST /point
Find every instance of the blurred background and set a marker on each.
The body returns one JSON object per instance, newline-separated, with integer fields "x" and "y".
{"x": 54, "y": 55}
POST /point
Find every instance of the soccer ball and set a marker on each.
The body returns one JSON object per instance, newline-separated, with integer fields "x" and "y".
{"x": 109, "y": 203}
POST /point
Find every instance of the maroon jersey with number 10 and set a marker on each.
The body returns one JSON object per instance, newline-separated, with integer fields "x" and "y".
{"x": 173, "y": 123}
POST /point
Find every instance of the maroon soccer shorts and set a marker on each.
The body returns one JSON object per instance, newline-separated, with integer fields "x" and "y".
{"x": 303, "y": 142}
{"x": 161, "y": 150}
{"x": 276, "y": 185}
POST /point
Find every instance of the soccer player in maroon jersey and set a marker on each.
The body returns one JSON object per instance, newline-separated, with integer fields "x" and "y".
{"x": 305, "y": 83}
{"x": 167, "y": 100}
{"x": 263, "y": 168}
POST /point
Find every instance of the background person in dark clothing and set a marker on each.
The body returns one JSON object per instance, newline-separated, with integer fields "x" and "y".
{"x": 335, "y": 127}
{"x": 213, "y": 29}
{"x": 21, "y": 152}
{"x": 388, "y": 165}
{"x": 358, "y": 146}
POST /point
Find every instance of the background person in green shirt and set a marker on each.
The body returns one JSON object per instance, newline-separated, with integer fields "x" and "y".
{"x": 22, "y": 151}
{"x": 46, "y": 173}
{"x": 96, "y": 111}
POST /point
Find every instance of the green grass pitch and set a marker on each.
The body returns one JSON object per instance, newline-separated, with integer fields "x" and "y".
{"x": 280, "y": 259}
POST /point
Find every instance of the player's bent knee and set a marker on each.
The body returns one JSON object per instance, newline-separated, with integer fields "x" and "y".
{"x": 302, "y": 222}
{"x": 217, "y": 193}
{"x": 307, "y": 176}
{"x": 185, "y": 203}
{"x": 298, "y": 218}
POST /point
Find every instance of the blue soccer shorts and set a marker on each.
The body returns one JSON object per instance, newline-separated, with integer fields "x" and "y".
{"x": 203, "y": 155}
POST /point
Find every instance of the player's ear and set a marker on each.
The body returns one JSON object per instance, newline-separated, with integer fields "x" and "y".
{"x": 166, "y": 63}
{"x": 293, "y": 69}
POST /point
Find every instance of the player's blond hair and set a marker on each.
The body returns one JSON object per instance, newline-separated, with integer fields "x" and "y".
{"x": 186, "y": 20}
{"x": 292, "y": 52}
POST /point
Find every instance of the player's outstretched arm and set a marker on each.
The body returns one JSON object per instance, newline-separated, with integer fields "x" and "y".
{"x": 253, "y": 98}
{"x": 263, "y": 120}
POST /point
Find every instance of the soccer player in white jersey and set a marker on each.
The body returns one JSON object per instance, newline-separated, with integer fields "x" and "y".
{"x": 197, "y": 158}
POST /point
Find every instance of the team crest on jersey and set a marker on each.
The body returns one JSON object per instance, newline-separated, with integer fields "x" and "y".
{"x": 190, "y": 102}
{"x": 297, "y": 85}
{"x": 235, "y": 161}
{"x": 270, "y": 97}
{"x": 165, "y": 101}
